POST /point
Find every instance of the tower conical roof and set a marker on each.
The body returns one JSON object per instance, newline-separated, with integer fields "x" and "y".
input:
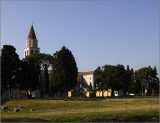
{"x": 32, "y": 33}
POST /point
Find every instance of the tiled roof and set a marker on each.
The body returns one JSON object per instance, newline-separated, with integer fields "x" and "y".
{"x": 32, "y": 33}
{"x": 85, "y": 73}
{"x": 79, "y": 73}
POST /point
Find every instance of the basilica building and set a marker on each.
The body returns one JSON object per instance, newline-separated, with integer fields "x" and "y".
{"x": 84, "y": 79}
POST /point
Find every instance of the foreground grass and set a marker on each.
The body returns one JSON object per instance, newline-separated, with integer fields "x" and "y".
{"x": 112, "y": 110}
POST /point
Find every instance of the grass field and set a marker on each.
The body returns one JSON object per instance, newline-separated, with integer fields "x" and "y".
{"x": 106, "y": 110}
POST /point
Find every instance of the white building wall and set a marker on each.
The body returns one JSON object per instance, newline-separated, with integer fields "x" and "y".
{"x": 29, "y": 50}
{"x": 89, "y": 79}
{"x": 31, "y": 44}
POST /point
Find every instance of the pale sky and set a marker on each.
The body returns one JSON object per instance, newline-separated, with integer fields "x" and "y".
{"x": 97, "y": 32}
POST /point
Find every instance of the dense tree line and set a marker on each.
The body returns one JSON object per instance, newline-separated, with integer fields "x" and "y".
{"x": 119, "y": 78}
{"x": 31, "y": 73}
{"x": 145, "y": 78}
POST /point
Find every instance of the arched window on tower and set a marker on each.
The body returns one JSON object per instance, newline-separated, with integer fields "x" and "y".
{"x": 25, "y": 53}
{"x": 31, "y": 51}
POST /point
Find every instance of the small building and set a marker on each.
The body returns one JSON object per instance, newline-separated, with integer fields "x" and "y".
{"x": 105, "y": 93}
{"x": 109, "y": 93}
{"x": 36, "y": 94}
{"x": 131, "y": 94}
{"x": 101, "y": 94}
{"x": 71, "y": 93}
{"x": 97, "y": 93}
{"x": 121, "y": 93}
{"x": 88, "y": 94}
{"x": 115, "y": 93}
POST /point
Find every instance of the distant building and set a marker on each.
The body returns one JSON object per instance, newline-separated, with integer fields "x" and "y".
{"x": 31, "y": 43}
{"x": 84, "y": 80}
{"x": 87, "y": 78}
{"x": 103, "y": 93}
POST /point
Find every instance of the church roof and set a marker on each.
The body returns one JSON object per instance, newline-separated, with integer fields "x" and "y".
{"x": 32, "y": 33}
{"x": 85, "y": 73}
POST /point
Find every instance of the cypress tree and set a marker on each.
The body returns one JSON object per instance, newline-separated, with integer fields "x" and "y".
{"x": 45, "y": 84}
{"x": 64, "y": 71}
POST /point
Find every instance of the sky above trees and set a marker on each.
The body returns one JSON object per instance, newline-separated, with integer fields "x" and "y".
{"x": 97, "y": 32}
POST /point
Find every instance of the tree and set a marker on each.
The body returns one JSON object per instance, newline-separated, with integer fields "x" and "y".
{"x": 143, "y": 77}
{"x": 32, "y": 75}
{"x": 90, "y": 86}
{"x": 147, "y": 77}
{"x": 40, "y": 59}
{"x": 64, "y": 71}
{"x": 135, "y": 85}
{"x": 40, "y": 62}
{"x": 45, "y": 81}
{"x": 99, "y": 78}
{"x": 129, "y": 83}
{"x": 116, "y": 77}
{"x": 20, "y": 76}
{"x": 9, "y": 67}
{"x": 153, "y": 79}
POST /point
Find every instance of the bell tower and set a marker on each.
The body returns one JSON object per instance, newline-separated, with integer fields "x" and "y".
{"x": 31, "y": 43}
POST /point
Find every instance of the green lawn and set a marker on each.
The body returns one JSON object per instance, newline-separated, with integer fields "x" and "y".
{"x": 111, "y": 110}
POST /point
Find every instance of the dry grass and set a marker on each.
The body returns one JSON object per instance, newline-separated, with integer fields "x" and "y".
{"x": 75, "y": 108}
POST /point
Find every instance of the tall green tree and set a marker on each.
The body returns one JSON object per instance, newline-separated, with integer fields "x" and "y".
{"x": 20, "y": 78}
{"x": 99, "y": 81}
{"x": 128, "y": 84}
{"x": 64, "y": 71}
{"x": 153, "y": 79}
{"x": 135, "y": 84}
{"x": 90, "y": 87}
{"x": 40, "y": 62}
{"x": 23, "y": 76}
{"x": 147, "y": 77}
{"x": 40, "y": 59}
{"x": 143, "y": 78}
{"x": 9, "y": 67}
{"x": 45, "y": 81}
{"x": 31, "y": 72}
{"x": 116, "y": 77}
